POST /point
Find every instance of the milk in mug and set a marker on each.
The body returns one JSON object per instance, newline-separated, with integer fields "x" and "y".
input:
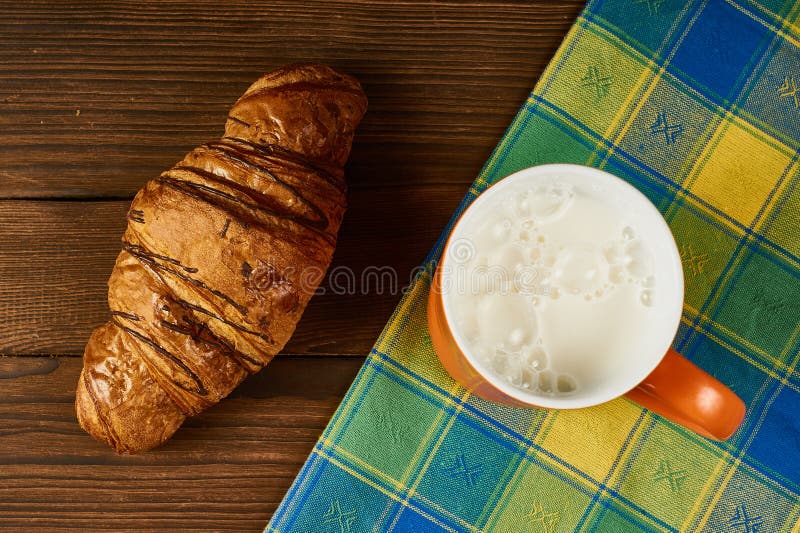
{"x": 552, "y": 287}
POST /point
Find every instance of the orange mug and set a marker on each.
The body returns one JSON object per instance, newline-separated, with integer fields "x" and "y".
{"x": 660, "y": 379}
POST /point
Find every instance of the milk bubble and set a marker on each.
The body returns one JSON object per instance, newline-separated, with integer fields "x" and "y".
{"x": 545, "y": 381}
{"x": 638, "y": 260}
{"x": 580, "y": 269}
{"x": 565, "y": 384}
{"x": 628, "y": 233}
{"x": 513, "y": 372}
{"x": 614, "y": 252}
{"x": 499, "y": 362}
{"x": 528, "y": 378}
{"x": 550, "y": 201}
{"x": 516, "y": 337}
{"x": 501, "y": 314}
{"x": 646, "y": 297}
{"x": 536, "y": 358}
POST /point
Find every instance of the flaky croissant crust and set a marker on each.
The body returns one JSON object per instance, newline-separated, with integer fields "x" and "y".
{"x": 220, "y": 256}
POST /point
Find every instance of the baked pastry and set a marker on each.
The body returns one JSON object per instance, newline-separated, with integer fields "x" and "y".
{"x": 220, "y": 256}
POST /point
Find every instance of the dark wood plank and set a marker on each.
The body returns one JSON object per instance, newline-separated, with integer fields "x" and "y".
{"x": 97, "y": 97}
{"x": 56, "y": 256}
{"x": 226, "y": 469}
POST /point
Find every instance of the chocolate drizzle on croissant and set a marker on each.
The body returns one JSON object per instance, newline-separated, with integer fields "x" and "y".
{"x": 221, "y": 254}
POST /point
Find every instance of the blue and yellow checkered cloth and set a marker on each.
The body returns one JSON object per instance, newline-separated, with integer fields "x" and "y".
{"x": 698, "y": 105}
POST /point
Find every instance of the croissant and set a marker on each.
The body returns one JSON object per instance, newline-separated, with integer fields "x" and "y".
{"x": 220, "y": 256}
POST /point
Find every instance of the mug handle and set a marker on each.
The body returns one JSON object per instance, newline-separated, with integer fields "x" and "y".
{"x": 685, "y": 394}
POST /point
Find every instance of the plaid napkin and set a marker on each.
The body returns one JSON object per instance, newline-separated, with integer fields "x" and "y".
{"x": 698, "y": 105}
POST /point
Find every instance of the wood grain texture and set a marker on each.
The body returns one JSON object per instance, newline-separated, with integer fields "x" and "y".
{"x": 55, "y": 259}
{"x": 226, "y": 469}
{"x": 97, "y": 97}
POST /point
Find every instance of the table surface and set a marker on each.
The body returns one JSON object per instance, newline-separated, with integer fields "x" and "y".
{"x": 98, "y": 97}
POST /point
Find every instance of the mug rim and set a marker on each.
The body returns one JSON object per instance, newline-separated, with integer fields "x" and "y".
{"x": 674, "y": 307}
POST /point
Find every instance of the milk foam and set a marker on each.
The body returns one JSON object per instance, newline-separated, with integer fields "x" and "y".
{"x": 556, "y": 284}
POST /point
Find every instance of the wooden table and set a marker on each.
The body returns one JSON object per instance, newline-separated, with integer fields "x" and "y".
{"x": 98, "y": 97}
